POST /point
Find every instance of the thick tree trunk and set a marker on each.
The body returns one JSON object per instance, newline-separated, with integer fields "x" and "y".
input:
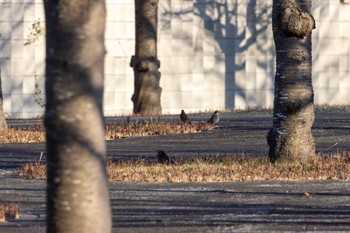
{"x": 3, "y": 124}
{"x": 146, "y": 97}
{"x": 77, "y": 187}
{"x": 290, "y": 137}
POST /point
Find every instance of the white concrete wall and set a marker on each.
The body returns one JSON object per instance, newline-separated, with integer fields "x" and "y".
{"x": 22, "y": 57}
{"x": 331, "y": 52}
{"x": 214, "y": 54}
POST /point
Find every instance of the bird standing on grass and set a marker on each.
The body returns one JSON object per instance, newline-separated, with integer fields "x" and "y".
{"x": 163, "y": 158}
{"x": 184, "y": 118}
{"x": 214, "y": 118}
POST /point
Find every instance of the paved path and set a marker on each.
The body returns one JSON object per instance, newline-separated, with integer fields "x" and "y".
{"x": 254, "y": 206}
{"x": 260, "y": 206}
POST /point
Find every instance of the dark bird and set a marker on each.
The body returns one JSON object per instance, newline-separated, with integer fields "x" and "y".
{"x": 214, "y": 118}
{"x": 163, "y": 158}
{"x": 184, "y": 118}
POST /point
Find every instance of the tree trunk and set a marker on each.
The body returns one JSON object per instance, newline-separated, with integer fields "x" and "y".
{"x": 3, "y": 124}
{"x": 77, "y": 187}
{"x": 146, "y": 97}
{"x": 290, "y": 137}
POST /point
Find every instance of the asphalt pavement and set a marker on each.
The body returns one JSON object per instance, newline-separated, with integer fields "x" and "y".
{"x": 251, "y": 206}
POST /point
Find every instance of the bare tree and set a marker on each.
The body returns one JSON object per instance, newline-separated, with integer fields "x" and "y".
{"x": 293, "y": 117}
{"x": 146, "y": 97}
{"x": 3, "y": 123}
{"x": 77, "y": 187}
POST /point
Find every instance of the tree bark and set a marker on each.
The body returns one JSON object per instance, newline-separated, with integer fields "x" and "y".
{"x": 3, "y": 123}
{"x": 77, "y": 186}
{"x": 293, "y": 116}
{"x": 146, "y": 97}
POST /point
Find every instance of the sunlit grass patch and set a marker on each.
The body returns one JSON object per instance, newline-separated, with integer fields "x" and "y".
{"x": 230, "y": 169}
{"x": 33, "y": 170}
{"x": 118, "y": 130}
{"x": 8, "y": 211}
{"x": 217, "y": 169}
{"x": 23, "y": 134}
{"x": 149, "y": 127}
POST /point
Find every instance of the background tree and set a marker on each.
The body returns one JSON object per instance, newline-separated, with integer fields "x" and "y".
{"x": 3, "y": 124}
{"x": 293, "y": 115}
{"x": 146, "y": 97}
{"x": 77, "y": 190}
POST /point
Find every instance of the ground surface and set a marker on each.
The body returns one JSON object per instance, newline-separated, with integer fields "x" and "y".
{"x": 259, "y": 206}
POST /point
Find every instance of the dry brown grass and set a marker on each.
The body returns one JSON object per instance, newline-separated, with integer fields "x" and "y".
{"x": 149, "y": 127}
{"x": 32, "y": 171}
{"x": 223, "y": 169}
{"x": 8, "y": 211}
{"x": 33, "y": 133}
{"x": 36, "y": 133}
{"x": 232, "y": 168}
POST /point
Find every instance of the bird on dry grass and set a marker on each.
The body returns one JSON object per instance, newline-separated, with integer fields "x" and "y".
{"x": 214, "y": 118}
{"x": 163, "y": 158}
{"x": 184, "y": 118}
